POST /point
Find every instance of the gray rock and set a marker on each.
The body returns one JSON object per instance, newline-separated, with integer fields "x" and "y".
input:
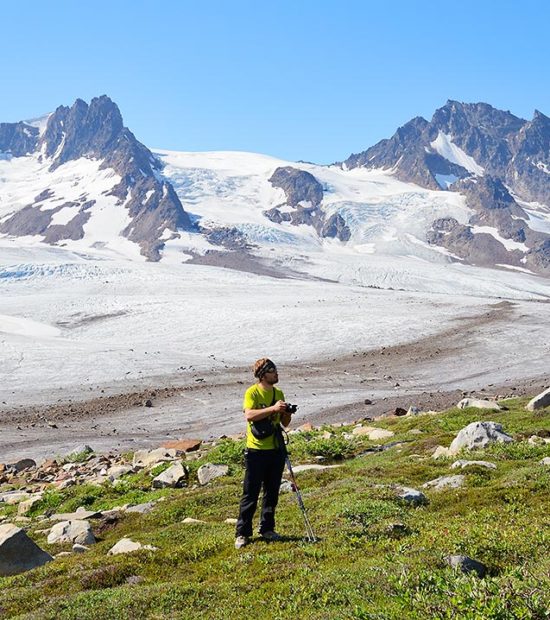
{"x": 79, "y": 532}
{"x": 466, "y": 565}
{"x": 143, "y": 509}
{"x": 80, "y": 514}
{"x": 412, "y": 496}
{"x": 172, "y": 477}
{"x": 545, "y": 461}
{"x": 540, "y": 401}
{"x": 286, "y": 486}
{"x": 479, "y": 404}
{"x": 127, "y": 545}
{"x": 463, "y": 464}
{"x": 478, "y": 435}
{"x": 22, "y": 465}
{"x": 209, "y": 472}
{"x": 14, "y": 497}
{"x": 148, "y": 458}
{"x": 445, "y": 482}
{"x": 80, "y": 548}
{"x": 18, "y": 553}
{"x": 117, "y": 471}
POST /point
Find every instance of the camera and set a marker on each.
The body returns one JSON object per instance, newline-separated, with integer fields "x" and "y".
{"x": 291, "y": 408}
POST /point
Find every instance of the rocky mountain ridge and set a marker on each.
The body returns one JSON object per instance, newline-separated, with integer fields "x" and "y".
{"x": 493, "y": 158}
{"x": 497, "y": 161}
{"x": 95, "y": 132}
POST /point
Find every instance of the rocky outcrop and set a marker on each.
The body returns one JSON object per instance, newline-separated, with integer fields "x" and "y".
{"x": 304, "y": 195}
{"x": 17, "y": 139}
{"x": 299, "y": 186}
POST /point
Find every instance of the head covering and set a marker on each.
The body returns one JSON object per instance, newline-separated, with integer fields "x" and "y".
{"x": 261, "y": 366}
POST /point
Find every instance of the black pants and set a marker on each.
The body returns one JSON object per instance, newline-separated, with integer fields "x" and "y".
{"x": 264, "y": 468}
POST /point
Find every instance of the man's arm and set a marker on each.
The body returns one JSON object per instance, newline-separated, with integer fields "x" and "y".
{"x": 253, "y": 415}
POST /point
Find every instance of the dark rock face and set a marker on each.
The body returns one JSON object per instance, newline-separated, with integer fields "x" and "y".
{"x": 302, "y": 187}
{"x": 96, "y": 131}
{"x": 17, "y": 139}
{"x": 298, "y": 185}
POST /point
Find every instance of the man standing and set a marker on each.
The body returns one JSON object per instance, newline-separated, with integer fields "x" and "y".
{"x": 264, "y": 409}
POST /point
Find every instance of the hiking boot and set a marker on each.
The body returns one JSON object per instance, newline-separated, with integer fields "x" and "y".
{"x": 241, "y": 541}
{"x": 271, "y": 536}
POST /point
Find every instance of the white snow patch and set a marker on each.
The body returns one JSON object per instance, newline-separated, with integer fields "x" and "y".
{"x": 445, "y": 180}
{"x": 509, "y": 244}
{"x": 65, "y": 215}
{"x": 444, "y": 145}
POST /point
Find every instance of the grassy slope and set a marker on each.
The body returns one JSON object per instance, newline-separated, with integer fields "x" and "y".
{"x": 361, "y": 568}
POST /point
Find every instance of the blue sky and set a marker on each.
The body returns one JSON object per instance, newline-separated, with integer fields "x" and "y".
{"x": 313, "y": 80}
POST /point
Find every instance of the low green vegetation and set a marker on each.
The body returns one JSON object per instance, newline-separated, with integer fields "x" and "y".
{"x": 378, "y": 557}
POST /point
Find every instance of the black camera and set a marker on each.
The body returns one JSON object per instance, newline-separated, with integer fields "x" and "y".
{"x": 291, "y": 408}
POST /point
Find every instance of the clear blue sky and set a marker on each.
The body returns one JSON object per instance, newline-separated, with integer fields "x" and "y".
{"x": 303, "y": 79}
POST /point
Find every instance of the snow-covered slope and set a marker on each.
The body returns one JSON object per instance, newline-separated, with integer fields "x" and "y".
{"x": 388, "y": 220}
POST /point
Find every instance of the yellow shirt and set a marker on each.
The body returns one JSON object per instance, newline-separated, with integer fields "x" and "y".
{"x": 258, "y": 398}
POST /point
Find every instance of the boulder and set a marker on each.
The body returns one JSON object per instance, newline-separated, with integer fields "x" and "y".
{"x": 478, "y": 435}
{"x": 14, "y": 497}
{"x": 209, "y": 472}
{"x": 359, "y": 430}
{"x": 545, "y": 461}
{"x": 18, "y": 553}
{"x": 148, "y": 458}
{"x": 183, "y": 445}
{"x": 188, "y": 520}
{"x": 127, "y": 545}
{"x": 75, "y": 532}
{"x": 142, "y": 509}
{"x": 479, "y": 404}
{"x": 466, "y": 565}
{"x": 445, "y": 482}
{"x": 540, "y": 401}
{"x": 411, "y": 496}
{"x": 22, "y": 465}
{"x": 28, "y": 504}
{"x": 286, "y": 487}
{"x": 117, "y": 471}
{"x": 535, "y": 440}
{"x": 462, "y": 464}
{"x": 80, "y": 548}
{"x": 172, "y": 477}
{"x": 80, "y": 514}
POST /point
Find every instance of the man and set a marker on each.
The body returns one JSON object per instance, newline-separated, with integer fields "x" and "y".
{"x": 264, "y": 408}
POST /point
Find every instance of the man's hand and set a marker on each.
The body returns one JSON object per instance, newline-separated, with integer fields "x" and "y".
{"x": 279, "y": 407}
